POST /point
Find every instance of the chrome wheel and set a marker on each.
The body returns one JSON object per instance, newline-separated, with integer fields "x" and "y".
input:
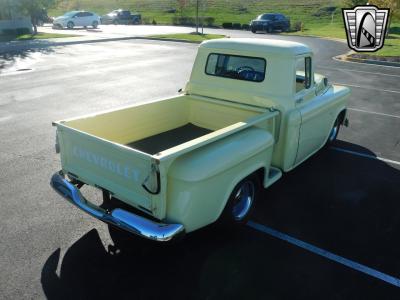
{"x": 243, "y": 200}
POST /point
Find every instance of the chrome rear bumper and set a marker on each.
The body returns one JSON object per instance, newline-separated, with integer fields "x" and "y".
{"x": 117, "y": 217}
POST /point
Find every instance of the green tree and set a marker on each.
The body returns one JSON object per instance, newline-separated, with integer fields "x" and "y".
{"x": 182, "y": 4}
{"x": 393, "y": 5}
{"x": 352, "y": 3}
{"x": 34, "y": 9}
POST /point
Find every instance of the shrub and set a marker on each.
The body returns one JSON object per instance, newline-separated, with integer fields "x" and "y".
{"x": 9, "y": 31}
{"x": 298, "y": 26}
{"x": 227, "y": 25}
{"x": 187, "y": 21}
{"x": 154, "y": 22}
{"x": 237, "y": 26}
{"x": 21, "y": 31}
{"x": 209, "y": 21}
{"x": 146, "y": 21}
{"x": 325, "y": 11}
{"x": 246, "y": 27}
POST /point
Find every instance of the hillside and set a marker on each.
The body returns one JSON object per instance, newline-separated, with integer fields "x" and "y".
{"x": 235, "y": 11}
{"x": 318, "y": 17}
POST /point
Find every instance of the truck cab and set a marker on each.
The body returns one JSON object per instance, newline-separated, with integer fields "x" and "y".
{"x": 273, "y": 74}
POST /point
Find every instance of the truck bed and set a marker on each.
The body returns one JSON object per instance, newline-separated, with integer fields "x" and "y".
{"x": 120, "y": 150}
{"x": 168, "y": 139}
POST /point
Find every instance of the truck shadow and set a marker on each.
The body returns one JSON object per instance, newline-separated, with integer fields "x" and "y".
{"x": 147, "y": 271}
{"x": 343, "y": 203}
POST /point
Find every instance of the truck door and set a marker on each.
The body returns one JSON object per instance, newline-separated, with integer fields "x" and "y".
{"x": 314, "y": 114}
{"x": 79, "y": 19}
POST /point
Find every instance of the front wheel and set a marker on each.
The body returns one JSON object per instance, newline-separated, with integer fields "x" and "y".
{"x": 70, "y": 25}
{"x": 334, "y": 132}
{"x": 241, "y": 202}
{"x": 95, "y": 24}
{"x": 253, "y": 30}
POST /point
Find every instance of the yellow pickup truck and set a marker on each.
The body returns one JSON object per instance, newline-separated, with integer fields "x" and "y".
{"x": 252, "y": 109}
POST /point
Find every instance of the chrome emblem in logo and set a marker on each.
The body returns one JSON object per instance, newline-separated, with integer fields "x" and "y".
{"x": 365, "y": 27}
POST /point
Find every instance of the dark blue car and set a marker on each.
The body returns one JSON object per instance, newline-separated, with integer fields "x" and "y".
{"x": 270, "y": 22}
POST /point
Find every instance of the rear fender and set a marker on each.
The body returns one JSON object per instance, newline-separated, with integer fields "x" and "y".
{"x": 200, "y": 182}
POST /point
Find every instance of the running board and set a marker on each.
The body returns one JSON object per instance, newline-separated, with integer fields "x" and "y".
{"x": 273, "y": 176}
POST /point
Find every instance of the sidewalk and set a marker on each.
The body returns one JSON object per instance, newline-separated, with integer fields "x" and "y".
{"x": 106, "y": 33}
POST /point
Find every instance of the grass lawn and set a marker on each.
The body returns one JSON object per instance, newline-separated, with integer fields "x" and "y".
{"x": 336, "y": 30}
{"x": 317, "y": 15}
{"x": 40, "y": 35}
{"x": 391, "y": 47}
{"x": 193, "y": 37}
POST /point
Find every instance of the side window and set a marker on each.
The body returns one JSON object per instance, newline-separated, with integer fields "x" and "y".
{"x": 303, "y": 73}
{"x": 80, "y": 15}
{"x": 236, "y": 67}
{"x": 87, "y": 14}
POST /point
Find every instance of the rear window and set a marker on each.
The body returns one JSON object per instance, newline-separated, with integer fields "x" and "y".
{"x": 236, "y": 67}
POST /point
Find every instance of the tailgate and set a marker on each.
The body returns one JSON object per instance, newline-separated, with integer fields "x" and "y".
{"x": 107, "y": 165}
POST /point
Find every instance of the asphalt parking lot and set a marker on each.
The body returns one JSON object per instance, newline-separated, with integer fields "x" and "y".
{"x": 344, "y": 200}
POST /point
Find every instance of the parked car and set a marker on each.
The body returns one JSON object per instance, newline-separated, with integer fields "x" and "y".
{"x": 270, "y": 22}
{"x": 76, "y": 19}
{"x": 121, "y": 17}
{"x": 252, "y": 110}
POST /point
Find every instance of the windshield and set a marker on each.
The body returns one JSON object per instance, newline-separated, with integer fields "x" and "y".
{"x": 70, "y": 14}
{"x": 265, "y": 17}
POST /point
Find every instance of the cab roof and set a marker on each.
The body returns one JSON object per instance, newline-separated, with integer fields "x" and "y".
{"x": 280, "y": 47}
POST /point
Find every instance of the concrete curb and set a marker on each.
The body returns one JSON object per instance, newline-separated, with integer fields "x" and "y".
{"x": 37, "y": 44}
{"x": 319, "y": 37}
{"x": 347, "y": 58}
{"x": 167, "y": 40}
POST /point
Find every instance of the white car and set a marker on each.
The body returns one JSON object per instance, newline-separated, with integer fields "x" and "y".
{"x": 77, "y": 18}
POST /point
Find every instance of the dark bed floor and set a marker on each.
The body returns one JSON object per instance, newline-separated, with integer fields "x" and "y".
{"x": 169, "y": 139}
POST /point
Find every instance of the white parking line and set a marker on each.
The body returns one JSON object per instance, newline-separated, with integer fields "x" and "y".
{"x": 373, "y": 112}
{"x": 367, "y": 88}
{"x": 329, "y": 255}
{"x": 358, "y": 71}
{"x": 366, "y": 155}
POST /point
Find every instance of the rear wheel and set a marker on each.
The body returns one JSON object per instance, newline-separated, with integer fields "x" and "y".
{"x": 241, "y": 202}
{"x": 95, "y": 24}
